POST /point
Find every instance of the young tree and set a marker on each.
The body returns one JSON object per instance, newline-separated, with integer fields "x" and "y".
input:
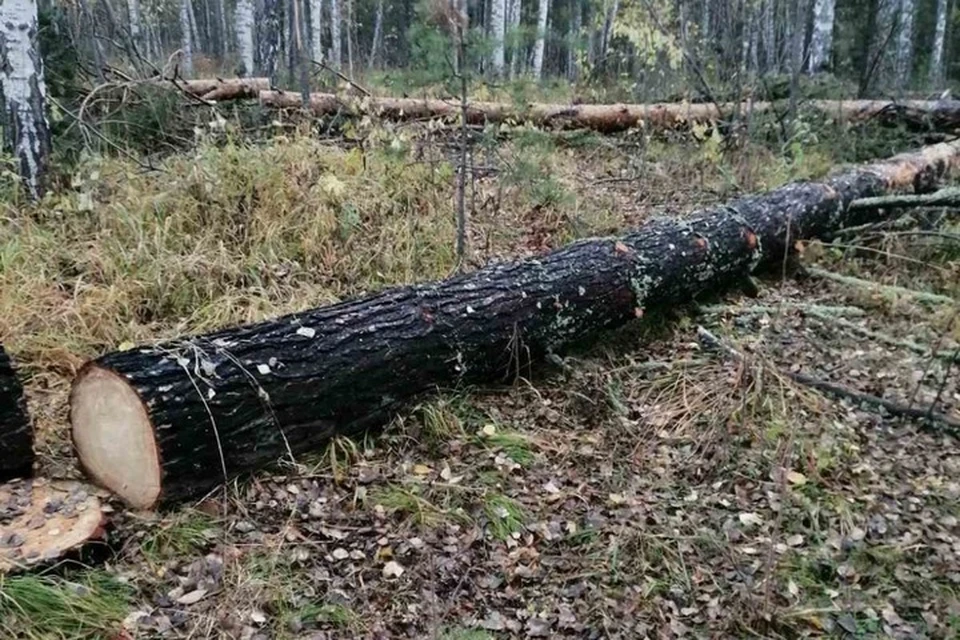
{"x": 377, "y": 35}
{"x": 904, "y": 66}
{"x": 542, "y": 10}
{"x": 24, "y": 93}
{"x": 133, "y": 7}
{"x": 186, "y": 39}
{"x": 573, "y": 44}
{"x": 244, "y": 27}
{"x": 821, "y": 39}
{"x": 939, "y": 40}
{"x": 497, "y": 31}
{"x": 514, "y": 11}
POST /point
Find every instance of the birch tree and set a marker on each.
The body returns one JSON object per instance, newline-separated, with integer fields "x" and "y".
{"x": 905, "y": 44}
{"x": 244, "y": 27}
{"x": 316, "y": 29}
{"x": 573, "y": 46}
{"x": 514, "y": 10}
{"x": 24, "y": 93}
{"x": 769, "y": 37}
{"x": 497, "y": 33}
{"x": 542, "y": 10}
{"x": 186, "y": 39}
{"x": 939, "y": 40}
{"x": 821, "y": 39}
{"x": 336, "y": 45}
{"x": 133, "y": 8}
{"x": 269, "y": 28}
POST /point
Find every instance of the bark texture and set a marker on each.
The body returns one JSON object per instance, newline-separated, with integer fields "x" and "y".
{"x": 25, "y": 128}
{"x": 609, "y": 118}
{"x": 16, "y": 434}
{"x": 905, "y": 44}
{"x": 543, "y": 9}
{"x": 498, "y": 10}
{"x": 186, "y": 39}
{"x": 229, "y": 402}
{"x": 939, "y": 40}
{"x": 220, "y": 90}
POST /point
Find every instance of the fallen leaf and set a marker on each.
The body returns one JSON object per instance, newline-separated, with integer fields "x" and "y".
{"x": 392, "y": 570}
{"x": 193, "y": 597}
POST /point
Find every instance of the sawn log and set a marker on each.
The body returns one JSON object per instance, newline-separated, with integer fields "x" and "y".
{"x": 164, "y": 423}
{"x": 16, "y": 433}
{"x": 610, "y": 118}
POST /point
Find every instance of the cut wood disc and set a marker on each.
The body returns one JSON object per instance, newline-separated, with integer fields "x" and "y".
{"x": 42, "y": 520}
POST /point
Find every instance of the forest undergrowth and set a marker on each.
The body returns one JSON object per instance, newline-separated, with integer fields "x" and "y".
{"x": 646, "y": 486}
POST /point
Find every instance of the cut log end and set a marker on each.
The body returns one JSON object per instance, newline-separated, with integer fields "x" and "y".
{"x": 114, "y": 437}
{"x": 43, "y": 521}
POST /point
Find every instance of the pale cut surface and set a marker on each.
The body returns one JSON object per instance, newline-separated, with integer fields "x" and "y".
{"x": 41, "y": 520}
{"x": 114, "y": 438}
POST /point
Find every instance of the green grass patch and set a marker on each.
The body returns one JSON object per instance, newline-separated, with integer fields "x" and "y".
{"x": 504, "y": 516}
{"x": 41, "y": 607}
{"x": 187, "y": 533}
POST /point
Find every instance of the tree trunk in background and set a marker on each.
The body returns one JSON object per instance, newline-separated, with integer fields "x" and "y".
{"x": 939, "y": 41}
{"x": 244, "y": 27}
{"x": 23, "y": 90}
{"x": 769, "y": 37}
{"x": 905, "y": 45}
{"x": 350, "y": 36}
{"x": 573, "y": 45}
{"x": 197, "y": 43}
{"x": 796, "y": 53}
{"x": 497, "y": 35}
{"x": 377, "y": 35}
{"x": 883, "y": 37}
{"x": 186, "y": 40}
{"x": 91, "y": 33}
{"x": 225, "y": 39}
{"x": 336, "y": 44}
{"x": 303, "y": 55}
{"x": 613, "y": 6}
{"x": 705, "y": 19}
{"x": 316, "y": 29}
{"x": 269, "y": 29}
{"x": 514, "y": 12}
{"x": 821, "y": 39}
{"x": 542, "y": 10}
{"x": 133, "y": 7}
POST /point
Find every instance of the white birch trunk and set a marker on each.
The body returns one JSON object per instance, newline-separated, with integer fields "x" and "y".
{"x": 24, "y": 92}
{"x": 514, "y": 8}
{"x": 939, "y": 40}
{"x": 244, "y": 20}
{"x": 821, "y": 40}
{"x": 905, "y": 44}
{"x": 133, "y": 7}
{"x": 186, "y": 41}
{"x": 194, "y": 33}
{"x": 497, "y": 34}
{"x": 316, "y": 29}
{"x": 573, "y": 51}
{"x": 540, "y": 45}
{"x": 336, "y": 45}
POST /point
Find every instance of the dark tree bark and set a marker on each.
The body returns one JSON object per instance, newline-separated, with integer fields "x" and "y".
{"x": 269, "y": 29}
{"x": 16, "y": 434}
{"x": 163, "y": 423}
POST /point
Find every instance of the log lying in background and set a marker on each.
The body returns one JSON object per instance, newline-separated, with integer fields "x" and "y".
{"x": 218, "y": 89}
{"x": 163, "y": 423}
{"x": 610, "y": 118}
{"x": 16, "y": 433}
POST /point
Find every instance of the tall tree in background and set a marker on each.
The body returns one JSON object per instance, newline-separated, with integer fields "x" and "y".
{"x": 316, "y": 29}
{"x": 769, "y": 37}
{"x": 244, "y": 28}
{"x": 186, "y": 39}
{"x": 24, "y": 93}
{"x": 543, "y": 9}
{"x": 133, "y": 8}
{"x": 377, "y": 35}
{"x": 497, "y": 33}
{"x": 269, "y": 26}
{"x": 514, "y": 11}
{"x": 939, "y": 41}
{"x": 905, "y": 45}
{"x": 336, "y": 44}
{"x": 573, "y": 41}
{"x": 821, "y": 38}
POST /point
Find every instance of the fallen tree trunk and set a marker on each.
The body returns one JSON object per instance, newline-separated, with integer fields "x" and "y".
{"x": 164, "y": 423}
{"x": 610, "y": 118}
{"x": 219, "y": 90}
{"x": 16, "y": 434}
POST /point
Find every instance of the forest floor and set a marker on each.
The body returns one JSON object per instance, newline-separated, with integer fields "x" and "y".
{"x": 646, "y": 487}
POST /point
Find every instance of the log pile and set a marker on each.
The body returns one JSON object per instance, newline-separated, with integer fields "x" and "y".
{"x": 16, "y": 434}
{"x": 160, "y": 424}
